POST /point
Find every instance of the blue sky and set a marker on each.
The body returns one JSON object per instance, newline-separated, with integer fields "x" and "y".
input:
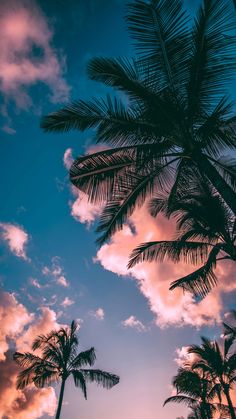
{"x": 37, "y": 197}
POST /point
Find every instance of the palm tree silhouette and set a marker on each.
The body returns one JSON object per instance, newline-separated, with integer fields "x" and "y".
{"x": 58, "y": 362}
{"x": 205, "y": 235}
{"x": 219, "y": 366}
{"x": 176, "y": 120}
{"x": 196, "y": 391}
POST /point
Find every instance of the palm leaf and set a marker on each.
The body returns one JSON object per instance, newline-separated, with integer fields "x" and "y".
{"x": 84, "y": 358}
{"x": 103, "y": 378}
{"x": 160, "y": 32}
{"x": 79, "y": 381}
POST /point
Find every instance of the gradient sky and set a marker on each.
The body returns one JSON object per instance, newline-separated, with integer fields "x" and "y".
{"x": 52, "y": 271}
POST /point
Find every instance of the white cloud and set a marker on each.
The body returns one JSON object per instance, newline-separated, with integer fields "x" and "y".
{"x": 133, "y": 323}
{"x": 16, "y": 239}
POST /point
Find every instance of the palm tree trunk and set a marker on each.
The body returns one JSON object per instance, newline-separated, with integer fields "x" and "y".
{"x": 217, "y": 181}
{"x": 230, "y": 404}
{"x": 60, "y": 399}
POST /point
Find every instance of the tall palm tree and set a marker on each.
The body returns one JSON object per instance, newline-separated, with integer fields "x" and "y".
{"x": 206, "y": 234}
{"x": 195, "y": 391}
{"x": 219, "y": 366}
{"x": 60, "y": 360}
{"x": 176, "y": 119}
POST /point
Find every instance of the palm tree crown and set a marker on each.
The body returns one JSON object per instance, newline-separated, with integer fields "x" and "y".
{"x": 195, "y": 391}
{"x": 219, "y": 366}
{"x": 178, "y": 121}
{"x": 205, "y": 235}
{"x": 60, "y": 359}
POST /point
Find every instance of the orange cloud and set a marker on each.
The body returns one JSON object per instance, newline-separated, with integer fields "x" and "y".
{"x": 18, "y": 330}
{"x": 169, "y": 307}
{"x": 23, "y": 30}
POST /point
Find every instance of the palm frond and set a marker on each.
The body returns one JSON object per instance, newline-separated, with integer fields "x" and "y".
{"x": 188, "y": 401}
{"x": 212, "y": 61}
{"x": 103, "y": 378}
{"x": 189, "y": 252}
{"x": 131, "y": 192}
{"x": 84, "y": 358}
{"x": 161, "y": 37}
{"x": 80, "y": 381}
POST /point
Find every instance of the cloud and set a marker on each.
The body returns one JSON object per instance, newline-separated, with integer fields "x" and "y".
{"x": 82, "y": 210}
{"x": 13, "y": 319}
{"x": 26, "y": 54}
{"x": 183, "y": 357}
{"x": 169, "y": 308}
{"x": 67, "y": 302}
{"x": 35, "y": 283}
{"x": 134, "y": 323}
{"x": 18, "y": 329}
{"x": 68, "y": 158}
{"x": 16, "y": 239}
{"x": 30, "y": 403}
{"x": 56, "y": 271}
{"x": 99, "y": 314}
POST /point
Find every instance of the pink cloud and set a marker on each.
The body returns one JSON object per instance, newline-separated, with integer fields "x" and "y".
{"x": 169, "y": 308}
{"x": 67, "y": 302}
{"x": 82, "y": 210}
{"x": 16, "y": 239}
{"x": 19, "y": 328}
{"x": 13, "y": 319}
{"x": 23, "y": 28}
{"x": 99, "y": 314}
{"x": 133, "y": 323}
{"x": 56, "y": 271}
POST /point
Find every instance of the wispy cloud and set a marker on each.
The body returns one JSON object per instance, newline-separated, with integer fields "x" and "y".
{"x": 133, "y": 323}
{"x": 67, "y": 302}
{"x": 56, "y": 271}
{"x": 16, "y": 238}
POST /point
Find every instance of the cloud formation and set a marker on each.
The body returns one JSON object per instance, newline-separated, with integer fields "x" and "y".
{"x": 56, "y": 271}
{"x": 18, "y": 330}
{"x": 99, "y": 314}
{"x": 81, "y": 209}
{"x": 26, "y": 54}
{"x": 67, "y": 302}
{"x": 169, "y": 308}
{"x": 16, "y": 239}
{"x": 133, "y": 323}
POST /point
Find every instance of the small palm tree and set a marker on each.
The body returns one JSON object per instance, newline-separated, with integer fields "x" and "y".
{"x": 175, "y": 120}
{"x": 196, "y": 392}
{"x": 218, "y": 366}
{"x": 205, "y": 235}
{"x": 58, "y": 362}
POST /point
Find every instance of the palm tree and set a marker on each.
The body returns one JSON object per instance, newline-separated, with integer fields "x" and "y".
{"x": 58, "y": 362}
{"x": 219, "y": 366}
{"x": 175, "y": 120}
{"x": 195, "y": 391}
{"x": 206, "y": 234}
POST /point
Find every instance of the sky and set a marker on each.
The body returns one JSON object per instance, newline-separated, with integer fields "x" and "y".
{"x": 51, "y": 270}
